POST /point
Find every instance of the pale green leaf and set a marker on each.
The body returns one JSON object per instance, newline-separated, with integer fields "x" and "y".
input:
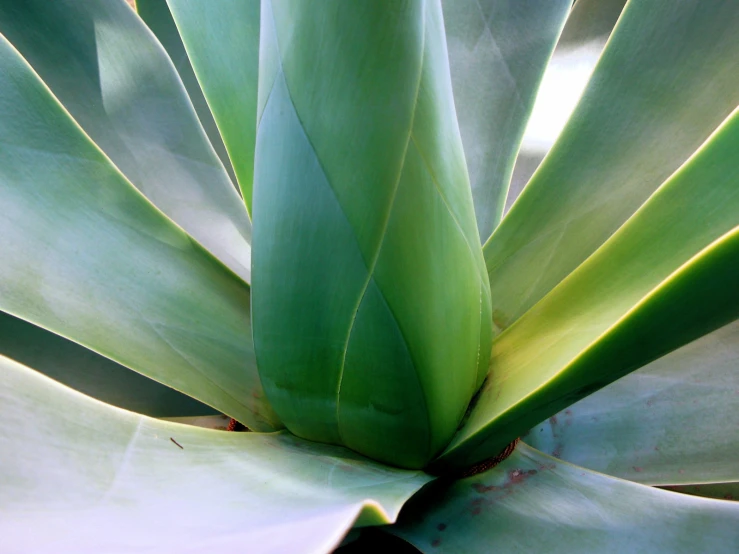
{"x": 90, "y": 373}
{"x": 86, "y": 477}
{"x": 86, "y": 256}
{"x": 116, "y": 80}
{"x": 371, "y": 306}
{"x": 668, "y": 77}
{"x": 534, "y": 503}
{"x": 665, "y": 278}
{"x": 158, "y": 18}
{"x": 222, "y": 42}
{"x": 498, "y": 50}
{"x": 674, "y": 421}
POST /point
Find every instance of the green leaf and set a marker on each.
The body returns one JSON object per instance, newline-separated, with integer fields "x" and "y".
{"x": 90, "y": 373}
{"x": 114, "y": 78}
{"x": 158, "y": 18}
{"x": 674, "y": 421}
{"x": 665, "y": 278}
{"x": 590, "y": 20}
{"x": 100, "y": 479}
{"x": 534, "y": 503}
{"x": 498, "y": 50}
{"x": 86, "y": 256}
{"x": 367, "y": 260}
{"x": 666, "y": 80}
{"x": 222, "y": 42}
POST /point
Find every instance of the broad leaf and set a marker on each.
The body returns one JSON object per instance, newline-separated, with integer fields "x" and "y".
{"x": 668, "y": 77}
{"x": 498, "y": 50}
{"x": 114, "y": 78}
{"x": 90, "y": 373}
{"x": 673, "y": 421}
{"x": 534, "y": 503}
{"x": 158, "y": 18}
{"x": 665, "y": 278}
{"x": 86, "y": 256}
{"x": 100, "y": 479}
{"x": 222, "y": 41}
{"x": 371, "y": 306}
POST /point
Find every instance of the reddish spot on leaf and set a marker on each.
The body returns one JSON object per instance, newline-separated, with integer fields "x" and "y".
{"x": 728, "y": 497}
{"x": 476, "y": 510}
{"x": 638, "y": 469}
{"x": 568, "y": 412}
{"x": 479, "y": 487}
{"x": 553, "y": 420}
{"x": 435, "y": 542}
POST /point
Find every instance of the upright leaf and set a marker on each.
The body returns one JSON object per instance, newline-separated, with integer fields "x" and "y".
{"x": 158, "y": 18}
{"x": 371, "y": 303}
{"x": 222, "y": 41}
{"x": 114, "y": 78}
{"x": 668, "y": 77}
{"x": 86, "y": 256}
{"x": 498, "y": 50}
{"x": 534, "y": 503}
{"x": 665, "y": 278}
{"x": 673, "y": 421}
{"x": 99, "y": 479}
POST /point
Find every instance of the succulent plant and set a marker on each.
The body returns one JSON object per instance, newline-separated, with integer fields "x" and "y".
{"x": 297, "y": 215}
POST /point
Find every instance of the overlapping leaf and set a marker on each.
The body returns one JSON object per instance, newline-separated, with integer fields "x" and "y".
{"x": 222, "y": 42}
{"x": 115, "y": 79}
{"x": 90, "y": 373}
{"x": 666, "y": 80}
{"x": 158, "y": 18}
{"x": 498, "y": 50}
{"x": 674, "y": 421}
{"x": 99, "y": 479}
{"x": 534, "y": 503}
{"x": 371, "y": 306}
{"x": 666, "y": 278}
{"x": 86, "y": 256}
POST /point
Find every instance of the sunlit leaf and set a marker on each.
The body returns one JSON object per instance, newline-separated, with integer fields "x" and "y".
{"x": 222, "y": 41}
{"x": 114, "y": 78}
{"x": 158, "y": 18}
{"x": 534, "y": 503}
{"x": 90, "y": 373}
{"x": 498, "y": 50}
{"x": 371, "y": 307}
{"x": 86, "y": 256}
{"x": 665, "y": 278}
{"x": 675, "y": 420}
{"x": 668, "y": 77}
{"x": 98, "y": 479}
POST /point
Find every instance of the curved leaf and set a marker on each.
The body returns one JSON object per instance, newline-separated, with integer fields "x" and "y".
{"x": 86, "y": 256}
{"x": 158, "y": 18}
{"x": 222, "y": 41}
{"x": 498, "y": 50}
{"x": 367, "y": 261}
{"x": 534, "y": 503}
{"x": 674, "y": 421}
{"x": 90, "y": 373}
{"x": 114, "y": 78}
{"x": 101, "y": 479}
{"x": 665, "y": 278}
{"x": 646, "y": 110}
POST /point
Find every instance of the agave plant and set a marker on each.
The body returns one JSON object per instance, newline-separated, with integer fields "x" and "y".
{"x": 292, "y": 213}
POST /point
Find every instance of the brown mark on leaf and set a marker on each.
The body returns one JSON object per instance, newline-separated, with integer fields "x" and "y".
{"x": 234, "y": 425}
{"x": 177, "y": 443}
{"x": 638, "y": 469}
{"x": 441, "y": 526}
{"x": 436, "y": 542}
